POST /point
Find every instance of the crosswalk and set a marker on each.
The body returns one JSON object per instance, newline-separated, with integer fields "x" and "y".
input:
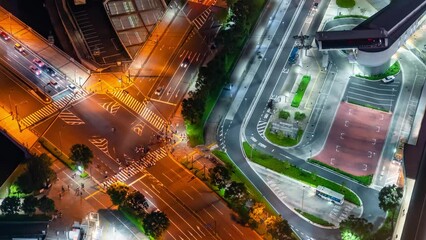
{"x": 261, "y": 126}
{"x": 202, "y": 18}
{"x": 140, "y": 108}
{"x": 70, "y": 118}
{"x": 136, "y": 167}
{"x": 50, "y": 109}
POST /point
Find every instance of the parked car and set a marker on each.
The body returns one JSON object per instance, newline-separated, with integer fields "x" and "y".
{"x": 388, "y": 79}
{"x": 35, "y": 70}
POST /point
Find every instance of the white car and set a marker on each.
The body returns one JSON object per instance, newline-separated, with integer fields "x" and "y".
{"x": 73, "y": 88}
{"x": 159, "y": 91}
{"x": 35, "y": 70}
{"x": 388, "y": 79}
{"x": 38, "y": 62}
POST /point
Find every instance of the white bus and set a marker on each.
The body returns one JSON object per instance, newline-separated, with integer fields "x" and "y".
{"x": 330, "y": 195}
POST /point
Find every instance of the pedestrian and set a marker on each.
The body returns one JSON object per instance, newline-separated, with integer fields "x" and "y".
{"x": 68, "y": 187}
{"x": 60, "y": 196}
{"x": 63, "y": 189}
{"x": 82, "y": 186}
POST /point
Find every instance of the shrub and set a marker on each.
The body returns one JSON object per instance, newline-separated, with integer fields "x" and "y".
{"x": 283, "y": 114}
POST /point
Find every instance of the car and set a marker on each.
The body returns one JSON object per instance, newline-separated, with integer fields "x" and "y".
{"x": 388, "y": 79}
{"x": 19, "y": 48}
{"x": 53, "y": 82}
{"x": 4, "y": 35}
{"x": 159, "y": 91}
{"x": 35, "y": 70}
{"x": 38, "y": 62}
{"x": 50, "y": 71}
{"x": 73, "y": 88}
{"x": 185, "y": 62}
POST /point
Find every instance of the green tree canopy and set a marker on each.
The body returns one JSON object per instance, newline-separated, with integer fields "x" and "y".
{"x": 137, "y": 202}
{"x": 10, "y": 205}
{"x": 278, "y": 228}
{"x": 236, "y": 192}
{"x": 38, "y": 174}
{"x": 118, "y": 192}
{"x": 81, "y": 154}
{"x": 155, "y": 223}
{"x": 219, "y": 176}
{"x": 358, "y": 227}
{"x": 46, "y": 205}
{"x": 29, "y": 205}
{"x": 389, "y": 199}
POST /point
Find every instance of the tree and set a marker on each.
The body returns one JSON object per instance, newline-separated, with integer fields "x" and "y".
{"x": 155, "y": 223}
{"x": 258, "y": 213}
{"x": 29, "y": 205}
{"x": 298, "y": 116}
{"x": 236, "y": 192}
{"x": 118, "y": 192}
{"x": 219, "y": 176}
{"x": 356, "y": 227}
{"x": 283, "y": 114}
{"x": 10, "y": 205}
{"x": 81, "y": 154}
{"x": 38, "y": 174}
{"x": 46, "y": 205}
{"x": 193, "y": 108}
{"x": 137, "y": 202}
{"x": 278, "y": 228}
{"x": 389, "y": 199}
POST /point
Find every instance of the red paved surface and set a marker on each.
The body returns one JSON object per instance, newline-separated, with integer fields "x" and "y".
{"x": 350, "y": 145}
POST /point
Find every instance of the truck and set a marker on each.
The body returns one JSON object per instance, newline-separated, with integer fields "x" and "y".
{"x": 293, "y": 55}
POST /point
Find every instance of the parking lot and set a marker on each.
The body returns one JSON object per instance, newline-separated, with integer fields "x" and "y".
{"x": 374, "y": 94}
{"x": 356, "y": 139}
{"x": 100, "y": 38}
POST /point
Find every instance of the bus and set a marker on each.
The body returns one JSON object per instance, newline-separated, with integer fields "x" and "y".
{"x": 330, "y": 195}
{"x": 293, "y": 55}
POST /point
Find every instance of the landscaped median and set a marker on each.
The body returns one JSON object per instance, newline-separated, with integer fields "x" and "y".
{"x": 288, "y": 169}
{"x": 314, "y": 218}
{"x": 281, "y": 139}
{"x": 393, "y": 70}
{"x": 297, "y": 99}
{"x": 237, "y": 175}
{"x": 364, "y": 180}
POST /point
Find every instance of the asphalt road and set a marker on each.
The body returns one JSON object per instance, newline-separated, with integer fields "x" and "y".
{"x": 232, "y": 127}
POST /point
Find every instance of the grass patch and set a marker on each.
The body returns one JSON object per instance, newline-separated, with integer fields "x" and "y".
{"x": 281, "y": 139}
{"x": 25, "y": 218}
{"x": 288, "y": 169}
{"x": 136, "y": 221}
{"x": 368, "y": 106}
{"x": 314, "y": 218}
{"x": 57, "y": 153}
{"x": 393, "y": 70}
{"x": 351, "y": 16}
{"x": 345, "y": 3}
{"x": 237, "y": 175}
{"x": 84, "y": 175}
{"x": 364, "y": 180}
{"x": 297, "y": 99}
